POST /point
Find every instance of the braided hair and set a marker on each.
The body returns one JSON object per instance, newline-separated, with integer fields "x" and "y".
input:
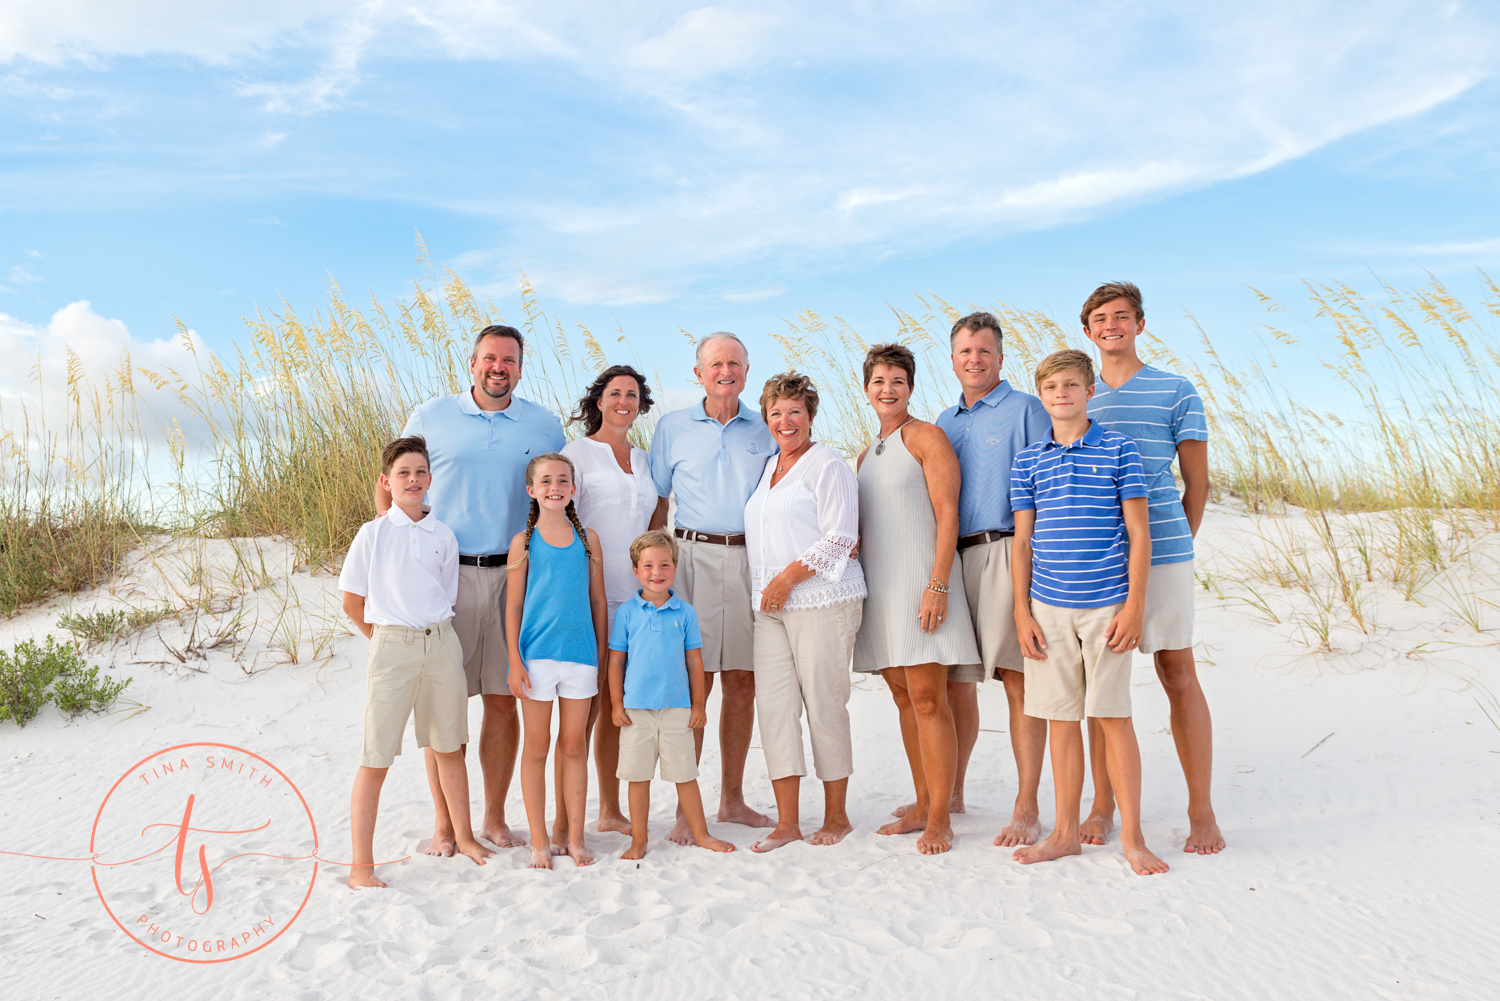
{"x": 571, "y": 511}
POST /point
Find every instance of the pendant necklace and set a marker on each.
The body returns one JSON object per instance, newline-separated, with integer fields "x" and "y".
{"x": 880, "y": 446}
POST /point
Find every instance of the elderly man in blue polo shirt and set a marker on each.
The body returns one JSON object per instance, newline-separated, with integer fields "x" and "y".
{"x": 710, "y": 458}
{"x": 480, "y": 441}
{"x": 991, "y": 423}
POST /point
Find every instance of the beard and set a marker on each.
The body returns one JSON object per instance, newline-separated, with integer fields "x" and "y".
{"x": 500, "y": 394}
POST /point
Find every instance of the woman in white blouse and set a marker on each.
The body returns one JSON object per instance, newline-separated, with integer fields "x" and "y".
{"x": 801, "y": 525}
{"x": 615, "y": 498}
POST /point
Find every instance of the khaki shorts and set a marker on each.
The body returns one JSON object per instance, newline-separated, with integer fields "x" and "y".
{"x": 1170, "y": 592}
{"x": 1081, "y": 676}
{"x": 715, "y": 580}
{"x": 992, "y": 609}
{"x": 657, "y": 735}
{"x": 414, "y": 670}
{"x": 479, "y": 620}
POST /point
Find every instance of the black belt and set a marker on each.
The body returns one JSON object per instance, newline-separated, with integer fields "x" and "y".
{"x": 718, "y": 540}
{"x": 980, "y": 538}
{"x": 492, "y": 560}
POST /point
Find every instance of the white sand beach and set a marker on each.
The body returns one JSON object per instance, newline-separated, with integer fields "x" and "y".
{"x": 1358, "y": 788}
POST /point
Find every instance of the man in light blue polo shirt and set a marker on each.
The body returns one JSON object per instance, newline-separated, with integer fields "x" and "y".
{"x": 709, "y": 458}
{"x": 991, "y": 423}
{"x": 480, "y": 441}
{"x": 1164, "y": 414}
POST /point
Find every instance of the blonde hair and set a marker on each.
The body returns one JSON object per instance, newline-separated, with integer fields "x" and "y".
{"x": 652, "y": 540}
{"x": 1062, "y": 361}
{"x": 570, "y": 511}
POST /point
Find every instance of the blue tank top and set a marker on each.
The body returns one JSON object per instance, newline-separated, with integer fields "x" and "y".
{"x": 556, "y": 622}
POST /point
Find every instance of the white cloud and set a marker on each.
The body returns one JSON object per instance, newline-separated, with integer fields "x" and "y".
{"x": 22, "y": 275}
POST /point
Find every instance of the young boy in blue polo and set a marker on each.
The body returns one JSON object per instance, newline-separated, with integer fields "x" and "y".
{"x": 656, "y": 683}
{"x": 1081, "y": 558}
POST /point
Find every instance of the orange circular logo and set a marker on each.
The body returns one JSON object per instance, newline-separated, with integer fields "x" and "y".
{"x": 192, "y": 849}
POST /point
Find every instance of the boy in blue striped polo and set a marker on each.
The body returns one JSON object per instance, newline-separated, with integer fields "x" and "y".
{"x": 1080, "y": 560}
{"x": 1164, "y": 414}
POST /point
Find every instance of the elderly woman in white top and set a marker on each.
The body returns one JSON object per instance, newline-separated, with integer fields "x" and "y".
{"x": 801, "y": 525}
{"x": 616, "y": 498}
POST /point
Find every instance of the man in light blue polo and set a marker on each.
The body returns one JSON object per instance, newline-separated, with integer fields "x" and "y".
{"x": 480, "y": 441}
{"x": 990, "y": 424}
{"x": 710, "y": 457}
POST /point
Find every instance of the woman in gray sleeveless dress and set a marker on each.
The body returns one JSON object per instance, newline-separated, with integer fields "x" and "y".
{"x": 916, "y": 624}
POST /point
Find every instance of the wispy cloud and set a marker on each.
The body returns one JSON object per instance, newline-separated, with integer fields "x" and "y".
{"x": 20, "y": 274}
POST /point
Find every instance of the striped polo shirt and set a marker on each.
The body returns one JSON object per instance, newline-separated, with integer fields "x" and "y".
{"x": 1159, "y": 410}
{"x": 1078, "y": 547}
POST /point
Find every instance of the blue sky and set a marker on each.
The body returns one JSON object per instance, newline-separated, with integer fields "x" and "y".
{"x": 664, "y": 165}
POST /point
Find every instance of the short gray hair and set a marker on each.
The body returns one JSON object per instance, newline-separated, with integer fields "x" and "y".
{"x": 698, "y": 352}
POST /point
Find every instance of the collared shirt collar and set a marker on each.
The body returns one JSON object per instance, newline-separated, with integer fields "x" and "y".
{"x": 700, "y": 413}
{"x": 990, "y": 399}
{"x": 467, "y": 405}
{"x": 398, "y": 517}
{"x": 1093, "y": 436}
{"x": 672, "y": 600}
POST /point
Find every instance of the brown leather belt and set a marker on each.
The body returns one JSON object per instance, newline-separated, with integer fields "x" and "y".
{"x": 492, "y": 560}
{"x": 980, "y": 538}
{"x": 718, "y": 540}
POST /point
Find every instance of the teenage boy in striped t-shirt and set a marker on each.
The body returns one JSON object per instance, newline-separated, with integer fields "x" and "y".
{"x": 1080, "y": 559}
{"x": 1164, "y": 414}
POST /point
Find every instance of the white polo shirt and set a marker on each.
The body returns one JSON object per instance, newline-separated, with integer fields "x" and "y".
{"x": 407, "y": 571}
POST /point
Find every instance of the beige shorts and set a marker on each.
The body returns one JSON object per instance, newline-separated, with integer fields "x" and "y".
{"x": 414, "y": 671}
{"x": 1170, "y": 592}
{"x": 657, "y": 735}
{"x": 802, "y": 659}
{"x": 479, "y": 620}
{"x": 715, "y": 580}
{"x": 1081, "y": 676}
{"x": 992, "y": 608}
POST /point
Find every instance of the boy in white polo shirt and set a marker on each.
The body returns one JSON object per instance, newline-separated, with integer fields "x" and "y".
{"x": 400, "y": 580}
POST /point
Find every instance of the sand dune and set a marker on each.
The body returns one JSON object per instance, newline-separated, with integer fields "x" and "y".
{"x": 1359, "y": 789}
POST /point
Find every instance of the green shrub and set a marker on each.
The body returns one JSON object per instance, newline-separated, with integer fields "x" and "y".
{"x": 84, "y": 691}
{"x": 94, "y": 629}
{"x": 27, "y": 671}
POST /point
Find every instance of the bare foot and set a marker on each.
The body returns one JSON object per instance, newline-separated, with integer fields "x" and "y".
{"x": 474, "y": 850}
{"x": 1143, "y": 861}
{"x": 581, "y": 855}
{"x": 362, "y": 877}
{"x": 1205, "y": 839}
{"x": 1095, "y": 830}
{"x": 740, "y": 813}
{"x": 1053, "y": 847}
{"x": 558, "y": 846}
{"x": 634, "y": 852}
{"x": 955, "y": 805}
{"x": 715, "y": 845}
{"x": 681, "y": 833}
{"x": 616, "y": 823}
{"x": 829, "y": 835}
{"x": 777, "y": 838}
{"x": 498, "y": 834}
{"x": 1022, "y": 830}
{"x": 909, "y": 821}
{"x": 441, "y": 845}
{"x": 935, "y": 841}
{"x": 541, "y": 858}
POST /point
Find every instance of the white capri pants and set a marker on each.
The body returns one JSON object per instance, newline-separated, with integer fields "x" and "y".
{"x": 802, "y": 658}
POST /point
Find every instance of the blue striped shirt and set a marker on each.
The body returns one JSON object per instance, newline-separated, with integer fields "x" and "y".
{"x": 1078, "y": 547}
{"x": 1159, "y": 410}
{"x": 987, "y": 437}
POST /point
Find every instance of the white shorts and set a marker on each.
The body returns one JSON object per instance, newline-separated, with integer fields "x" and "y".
{"x": 1170, "y": 591}
{"x": 561, "y": 679}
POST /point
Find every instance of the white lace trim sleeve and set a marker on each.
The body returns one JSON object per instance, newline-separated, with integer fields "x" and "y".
{"x": 837, "y": 494}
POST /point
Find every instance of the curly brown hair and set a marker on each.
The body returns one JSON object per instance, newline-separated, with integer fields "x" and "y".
{"x": 789, "y": 386}
{"x": 894, "y": 355}
{"x": 589, "y": 413}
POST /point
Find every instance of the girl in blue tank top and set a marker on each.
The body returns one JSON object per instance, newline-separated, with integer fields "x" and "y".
{"x": 554, "y": 626}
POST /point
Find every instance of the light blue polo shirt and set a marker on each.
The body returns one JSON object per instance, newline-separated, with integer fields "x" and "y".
{"x": 1159, "y": 410}
{"x": 1079, "y": 546}
{"x": 478, "y": 461}
{"x": 655, "y": 642}
{"x": 987, "y": 437}
{"x": 712, "y": 468}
